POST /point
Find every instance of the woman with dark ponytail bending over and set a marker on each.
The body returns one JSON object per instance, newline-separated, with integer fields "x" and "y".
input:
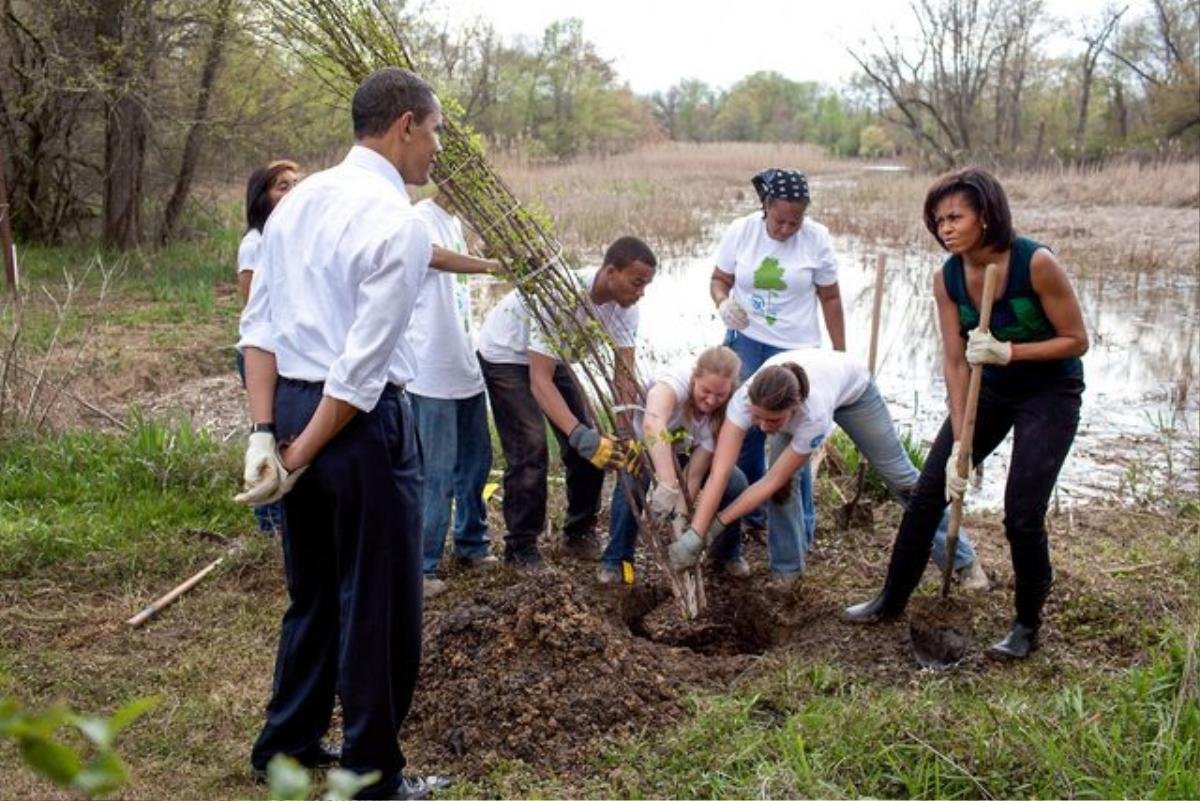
{"x": 1032, "y": 386}
{"x": 795, "y": 398}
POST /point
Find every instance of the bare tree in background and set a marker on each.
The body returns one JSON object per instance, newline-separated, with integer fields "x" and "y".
{"x": 1094, "y": 40}
{"x": 937, "y": 83}
{"x": 199, "y": 123}
{"x": 125, "y": 49}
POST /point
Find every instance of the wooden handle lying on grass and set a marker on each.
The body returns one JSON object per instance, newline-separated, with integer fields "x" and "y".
{"x": 967, "y": 435}
{"x": 169, "y": 598}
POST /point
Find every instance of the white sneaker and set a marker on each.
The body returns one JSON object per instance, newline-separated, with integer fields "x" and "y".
{"x": 973, "y": 577}
{"x": 608, "y": 575}
{"x": 433, "y": 587}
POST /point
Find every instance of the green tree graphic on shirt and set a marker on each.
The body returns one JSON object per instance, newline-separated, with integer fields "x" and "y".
{"x": 769, "y": 276}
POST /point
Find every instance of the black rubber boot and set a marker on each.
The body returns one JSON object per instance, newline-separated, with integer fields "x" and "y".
{"x": 904, "y": 573}
{"x": 1021, "y": 641}
{"x": 877, "y": 610}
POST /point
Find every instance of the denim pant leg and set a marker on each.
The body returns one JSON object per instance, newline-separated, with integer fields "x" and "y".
{"x": 471, "y": 470}
{"x": 622, "y": 523}
{"x": 751, "y": 460}
{"x": 728, "y": 545}
{"x": 437, "y": 434}
{"x": 787, "y": 524}
{"x": 869, "y": 425}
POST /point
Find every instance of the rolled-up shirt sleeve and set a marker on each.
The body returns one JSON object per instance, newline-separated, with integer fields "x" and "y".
{"x": 254, "y": 328}
{"x": 394, "y": 268}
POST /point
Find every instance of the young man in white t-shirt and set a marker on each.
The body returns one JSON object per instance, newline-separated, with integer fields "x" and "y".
{"x": 529, "y": 383}
{"x": 449, "y": 407}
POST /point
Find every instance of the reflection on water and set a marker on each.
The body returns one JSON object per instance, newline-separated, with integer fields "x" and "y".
{"x": 1141, "y": 371}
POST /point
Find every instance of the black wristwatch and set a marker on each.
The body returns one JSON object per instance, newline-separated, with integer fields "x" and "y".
{"x": 259, "y": 428}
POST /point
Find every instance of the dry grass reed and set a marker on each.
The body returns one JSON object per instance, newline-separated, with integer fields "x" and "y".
{"x": 665, "y": 193}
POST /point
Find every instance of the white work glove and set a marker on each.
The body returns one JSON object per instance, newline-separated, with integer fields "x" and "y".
{"x": 264, "y": 479}
{"x": 685, "y": 551}
{"x": 664, "y": 501}
{"x": 732, "y": 314}
{"x": 983, "y": 348}
{"x": 956, "y": 485}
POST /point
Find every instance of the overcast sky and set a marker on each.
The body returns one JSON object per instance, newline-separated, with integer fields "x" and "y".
{"x": 655, "y": 43}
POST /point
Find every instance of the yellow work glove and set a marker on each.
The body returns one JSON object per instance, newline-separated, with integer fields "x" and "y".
{"x": 602, "y": 451}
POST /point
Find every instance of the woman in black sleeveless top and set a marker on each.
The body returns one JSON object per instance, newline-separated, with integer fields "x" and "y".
{"x": 1032, "y": 385}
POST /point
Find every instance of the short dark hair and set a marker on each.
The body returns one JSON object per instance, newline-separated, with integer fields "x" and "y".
{"x": 985, "y": 196}
{"x": 627, "y": 250}
{"x": 258, "y": 192}
{"x": 385, "y": 95}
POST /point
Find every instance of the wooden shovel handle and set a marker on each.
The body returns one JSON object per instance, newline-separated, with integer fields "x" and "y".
{"x": 967, "y": 435}
{"x": 880, "y": 263}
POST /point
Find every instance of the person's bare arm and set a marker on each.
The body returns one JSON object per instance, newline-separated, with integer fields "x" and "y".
{"x": 954, "y": 357}
{"x": 729, "y": 445}
{"x": 660, "y": 405}
{"x": 697, "y": 469}
{"x": 261, "y": 377}
{"x": 331, "y": 416}
{"x": 448, "y": 261}
{"x": 720, "y": 285}
{"x": 1061, "y": 305}
{"x": 835, "y": 317}
{"x": 245, "y": 278}
{"x": 758, "y": 493}
{"x": 549, "y": 399}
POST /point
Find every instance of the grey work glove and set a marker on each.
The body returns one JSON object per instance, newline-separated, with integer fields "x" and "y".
{"x": 603, "y": 452}
{"x": 685, "y": 552}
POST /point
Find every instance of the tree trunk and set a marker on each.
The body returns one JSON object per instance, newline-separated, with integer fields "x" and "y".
{"x": 124, "y": 30}
{"x": 195, "y": 136}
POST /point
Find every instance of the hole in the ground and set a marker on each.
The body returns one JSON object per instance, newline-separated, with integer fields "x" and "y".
{"x": 732, "y": 625}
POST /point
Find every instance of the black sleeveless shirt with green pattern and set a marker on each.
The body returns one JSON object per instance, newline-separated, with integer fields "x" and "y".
{"x": 1017, "y": 316}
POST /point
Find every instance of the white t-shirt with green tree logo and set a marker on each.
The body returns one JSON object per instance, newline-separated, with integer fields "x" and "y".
{"x": 776, "y": 282}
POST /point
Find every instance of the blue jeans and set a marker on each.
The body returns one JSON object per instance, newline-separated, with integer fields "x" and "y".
{"x": 869, "y": 424}
{"x": 456, "y": 451}
{"x": 752, "y": 459}
{"x": 623, "y": 528}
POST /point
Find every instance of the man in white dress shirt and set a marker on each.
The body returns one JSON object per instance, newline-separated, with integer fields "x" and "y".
{"x": 342, "y": 259}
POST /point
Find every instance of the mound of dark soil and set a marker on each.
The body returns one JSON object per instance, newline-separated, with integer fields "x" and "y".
{"x": 541, "y": 671}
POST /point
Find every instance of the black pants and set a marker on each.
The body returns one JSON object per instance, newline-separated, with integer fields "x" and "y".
{"x": 522, "y": 430}
{"x": 352, "y": 553}
{"x": 1043, "y": 426}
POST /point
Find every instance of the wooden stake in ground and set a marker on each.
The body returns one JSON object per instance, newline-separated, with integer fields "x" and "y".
{"x": 967, "y": 434}
{"x": 170, "y": 597}
{"x": 847, "y": 512}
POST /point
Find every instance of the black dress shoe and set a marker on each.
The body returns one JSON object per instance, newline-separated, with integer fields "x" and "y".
{"x": 408, "y": 788}
{"x": 1021, "y": 641}
{"x": 318, "y": 757}
{"x": 876, "y": 610}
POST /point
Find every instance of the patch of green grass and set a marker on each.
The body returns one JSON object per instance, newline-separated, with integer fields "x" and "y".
{"x": 113, "y": 497}
{"x": 813, "y": 731}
